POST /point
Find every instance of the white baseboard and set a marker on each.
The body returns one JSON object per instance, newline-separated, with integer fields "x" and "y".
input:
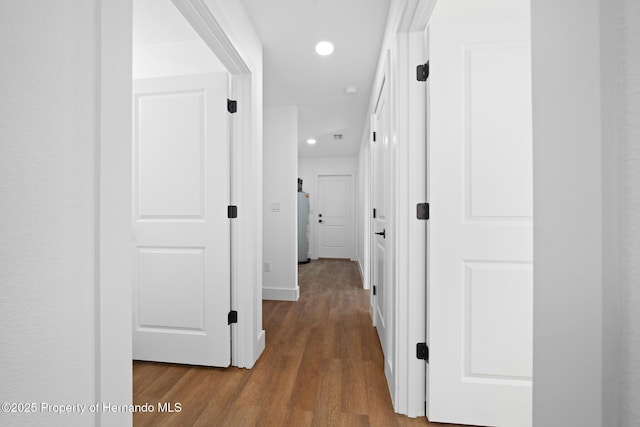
{"x": 259, "y": 348}
{"x": 281, "y": 294}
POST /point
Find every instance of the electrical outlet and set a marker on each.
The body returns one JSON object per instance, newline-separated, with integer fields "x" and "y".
{"x": 267, "y": 267}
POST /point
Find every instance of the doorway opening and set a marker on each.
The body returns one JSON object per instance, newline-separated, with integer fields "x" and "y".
{"x": 181, "y": 189}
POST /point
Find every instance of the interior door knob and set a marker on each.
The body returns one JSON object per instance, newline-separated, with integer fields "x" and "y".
{"x": 382, "y": 233}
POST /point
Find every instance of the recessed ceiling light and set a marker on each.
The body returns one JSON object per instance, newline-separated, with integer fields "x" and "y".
{"x": 351, "y": 90}
{"x": 324, "y": 48}
{"x": 311, "y": 141}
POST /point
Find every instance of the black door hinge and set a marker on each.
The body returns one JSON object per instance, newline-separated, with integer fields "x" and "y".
{"x": 232, "y": 106}
{"x": 422, "y": 211}
{"x": 232, "y": 317}
{"x": 374, "y": 137}
{"x": 422, "y": 72}
{"x": 422, "y": 351}
{"x": 374, "y": 290}
{"x": 374, "y": 213}
{"x": 232, "y": 211}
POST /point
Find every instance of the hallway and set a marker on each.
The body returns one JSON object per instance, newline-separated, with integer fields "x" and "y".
{"x": 322, "y": 366}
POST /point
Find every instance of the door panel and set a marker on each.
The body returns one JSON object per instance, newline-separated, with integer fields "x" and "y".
{"x": 180, "y": 225}
{"x": 168, "y": 150}
{"x": 495, "y": 291}
{"x": 163, "y": 305}
{"x": 491, "y": 132}
{"x": 383, "y": 300}
{"x": 480, "y": 236}
{"x": 335, "y": 205}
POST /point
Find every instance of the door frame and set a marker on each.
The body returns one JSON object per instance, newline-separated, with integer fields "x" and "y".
{"x": 114, "y": 278}
{"x": 243, "y": 293}
{"x": 352, "y": 211}
{"x": 405, "y": 40}
{"x": 411, "y": 241}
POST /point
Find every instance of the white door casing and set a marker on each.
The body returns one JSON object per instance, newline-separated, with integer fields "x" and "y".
{"x": 335, "y": 216}
{"x": 181, "y": 292}
{"x": 114, "y": 295}
{"x": 481, "y": 228}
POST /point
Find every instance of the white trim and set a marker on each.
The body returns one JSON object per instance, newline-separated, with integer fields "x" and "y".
{"x": 281, "y": 294}
{"x": 365, "y": 173}
{"x": 113, "y": 162}
{"x": 208, "y": 27}
{"x": 405, "y": 39}
{"x": 361, "y": 271}
{"x": 260, "y": 345}
{"x": 416, "y": 15}
{"x": 243, "y": 175}
{"x": 409, "y": 113}
{"x": 411, "y": 232}
{"x": 241, "y": 292}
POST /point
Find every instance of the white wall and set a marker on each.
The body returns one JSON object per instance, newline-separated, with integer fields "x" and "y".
{"x": 49, "y": 139}
{"x": 586, "y": 128}
{"x": 621, "y": 155}
{"x": 280, "y": 204}
{"x": 173, "y": 59}
{"x": 568, "y": 237}
{"x": 308, "y": 169}
{"x": 629, "y": 154}
{"x": 114, "y": 344}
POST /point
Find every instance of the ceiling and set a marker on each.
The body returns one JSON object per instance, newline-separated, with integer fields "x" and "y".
{"x": 294, "y": 75}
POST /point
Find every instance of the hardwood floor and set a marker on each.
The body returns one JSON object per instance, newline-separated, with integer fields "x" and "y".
{"x": 322, "y": 366}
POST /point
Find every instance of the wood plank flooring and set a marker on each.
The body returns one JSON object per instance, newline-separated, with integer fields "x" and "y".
{"x": 322, "y": 366}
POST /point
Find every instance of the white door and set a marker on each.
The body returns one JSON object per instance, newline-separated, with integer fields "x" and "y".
{"x": 181, "y": 292}
{"x": 335, "y": 212}
{"x": 383, "y": 295}
{"x": 481, "y": 239}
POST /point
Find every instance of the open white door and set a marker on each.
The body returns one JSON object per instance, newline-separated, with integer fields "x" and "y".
{"x": 481, "y": 239}
{"x": 181, "y": 290}
{"x": 335, "y": 212}
{"x": 383, "y": 293}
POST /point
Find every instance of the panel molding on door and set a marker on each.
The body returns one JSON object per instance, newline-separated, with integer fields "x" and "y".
{"x": 161, "y": 306}
{"x": 487, "y": 195}
{"x": 181, "y": 248}
{"x": 495, "y": 350}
